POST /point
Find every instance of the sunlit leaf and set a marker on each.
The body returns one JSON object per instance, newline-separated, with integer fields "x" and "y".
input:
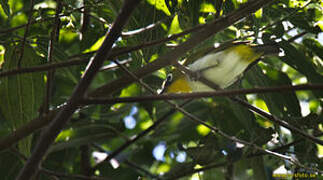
{"x": 160, "y": 5}
{"x": 203, "y": 130}
{"x": 175, "y": 26}
{"x": 296, "y": 58}
{"x": 5, "y": 7}
{"x": 96, "y": 45}
{"x": 258, "y": 14}
{"x": 207, "y": 8}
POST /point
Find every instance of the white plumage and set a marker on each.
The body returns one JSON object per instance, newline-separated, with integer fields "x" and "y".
{"x": 225, "y": 64}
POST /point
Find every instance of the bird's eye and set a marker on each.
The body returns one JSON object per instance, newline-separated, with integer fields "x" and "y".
{"x": 169, "y": 78}
{"x": 166, "y": 83}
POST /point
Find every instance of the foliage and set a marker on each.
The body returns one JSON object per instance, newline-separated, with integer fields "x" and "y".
{"x": 177, "y": 148}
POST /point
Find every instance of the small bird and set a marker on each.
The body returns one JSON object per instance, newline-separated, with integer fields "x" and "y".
{"x": 223, "y": 68}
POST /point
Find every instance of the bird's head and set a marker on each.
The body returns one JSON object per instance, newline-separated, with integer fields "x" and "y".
{"x": 175, "y": 83}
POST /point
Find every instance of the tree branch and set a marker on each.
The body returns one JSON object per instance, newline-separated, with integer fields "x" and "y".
{"x": 196, "y": 95}
{"x": 47, "y": 138}
{"x": 44, "y": 67}
{"x": 172, "y": 56}
{"x": 73, "y": 176}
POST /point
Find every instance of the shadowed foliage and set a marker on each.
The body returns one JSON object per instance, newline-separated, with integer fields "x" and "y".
{"x": 45, "y": 47}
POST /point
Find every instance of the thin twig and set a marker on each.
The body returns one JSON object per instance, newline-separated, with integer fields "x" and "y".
{"x": 128, "y": 163}
{"x": 46, "y": 67}
{"x": 279, "y": 121}
{"x": 114, "y": 66}
{"x": 205, "y": 168}
{"x": 26, "y": 33}
{"x": 280, "y": 148}
{"x": 51, "y": 72}
{"x": 71, "y": 176}
{"x": 144, "y": 171}
{"x": 141, "y": 30}
{"x": 292, "y": 39}
{"x": 219, "y": 6}
{"x": 85, "y": 19}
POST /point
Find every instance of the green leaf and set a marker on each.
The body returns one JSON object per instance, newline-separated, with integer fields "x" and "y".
{"x": 78, "y": 141}
{"x": 281, "y": 105}
{"x": 300, "y": 21}
{"x": 86, "y": 133}
{"x": 21, "y": 95}
{"x": 258, "y": 14}
{"x": 247, "y": 121}
{"x": 10, "y": 166}
{"x": 225, "y": 116}
{"x": 315, "y": 46}
{"x": 59, "y": 55}
{"x": 5, "y": 6}
{"x": 131, "y": 90}
{"x": 180, "y": 169}
{"x": 175, "y": 26}
{"x": 160, "y": 5}
{"x": 297, "y": 59}
{"x": 244, "y": 116}
{"x": 207, "y": 8}
{"x": 278, "y": 30}
{"x": 214, "y": 174}
{"x": 204, "y": 155}
{"x": 258, "y": 167}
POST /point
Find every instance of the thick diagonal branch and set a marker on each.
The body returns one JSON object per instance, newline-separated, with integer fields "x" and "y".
{"x": 161, "y": 62}
{"x": 66, "y": 112}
